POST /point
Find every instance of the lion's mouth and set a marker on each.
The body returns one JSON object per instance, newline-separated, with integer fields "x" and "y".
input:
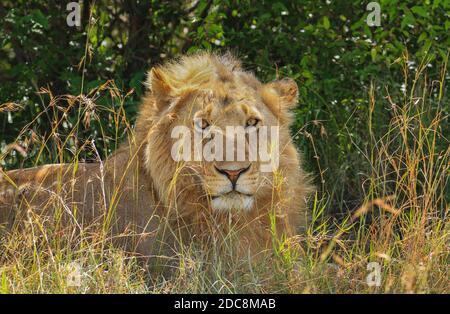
{"x": 232, "y": 194}
{"x": 232, "y": 200}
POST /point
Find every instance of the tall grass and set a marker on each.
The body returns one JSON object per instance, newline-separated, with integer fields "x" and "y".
{"x": 401, "y": 223}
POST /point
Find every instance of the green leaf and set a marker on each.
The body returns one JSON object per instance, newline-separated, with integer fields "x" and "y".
{"x": 326, "y": 22}
{"x": 373, "y": 54}
{"x": 40, "y": 18}
{"x": 408, "y": 19}
{"x": 447, "y": 25}
{"x": 420, "y": 11}
{"x": 422, "y": 37}
{"x": 307, "y": 74}
{"x": 435, "y": 4}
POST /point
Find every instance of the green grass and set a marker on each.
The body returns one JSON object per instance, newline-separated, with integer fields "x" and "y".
{"x": 401, "y": 220}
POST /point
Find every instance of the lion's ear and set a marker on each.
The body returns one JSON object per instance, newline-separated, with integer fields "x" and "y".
{"x": 287, "y": 91}
{"x": 280, "y": 96}
{"x": 159, "y": 86}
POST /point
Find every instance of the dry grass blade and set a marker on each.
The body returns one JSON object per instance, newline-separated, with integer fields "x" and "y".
{"x": 10, "y": 107}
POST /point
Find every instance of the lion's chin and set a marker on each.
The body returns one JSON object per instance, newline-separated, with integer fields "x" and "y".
{"x": 232, "y": 202}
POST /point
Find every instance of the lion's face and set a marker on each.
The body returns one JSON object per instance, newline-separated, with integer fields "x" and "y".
{"x": 230, "y": 182}
{"x": 223, "y": 172}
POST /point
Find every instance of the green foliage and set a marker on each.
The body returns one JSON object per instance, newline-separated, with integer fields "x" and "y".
{"x": 326, "y": 46}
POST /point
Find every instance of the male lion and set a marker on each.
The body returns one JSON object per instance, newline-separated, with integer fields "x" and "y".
{"x": 143, "y": 189}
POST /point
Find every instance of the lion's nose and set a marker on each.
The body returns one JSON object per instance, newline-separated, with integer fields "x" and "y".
{"x": 232, "y": 175}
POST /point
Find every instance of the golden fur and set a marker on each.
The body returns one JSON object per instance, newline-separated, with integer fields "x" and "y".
{"x": 140, "y": 188}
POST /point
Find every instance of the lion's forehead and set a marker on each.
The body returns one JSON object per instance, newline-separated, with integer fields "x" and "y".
{"x": 221, "y": 92}
{"x": 232, "y": 107}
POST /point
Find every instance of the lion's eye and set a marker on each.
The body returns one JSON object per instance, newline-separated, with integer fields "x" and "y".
{"x": 201, "y": 124}
{"x": 252, "y": 122}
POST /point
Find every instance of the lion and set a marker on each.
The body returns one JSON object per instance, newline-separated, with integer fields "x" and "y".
{"x": 143, "y": 189}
